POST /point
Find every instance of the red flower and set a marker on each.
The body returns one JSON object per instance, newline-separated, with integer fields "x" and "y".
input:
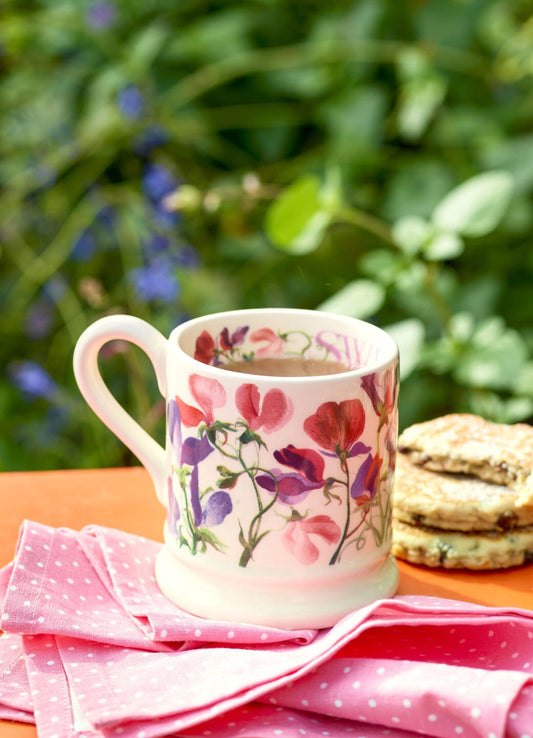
{"x": 209, "y": 394}
{"x": 205, "y": 348}
{"x": 274, "y": 343}
{"x": 273, "y": 413}
{"x": 296, "y": 536}
{"x": 336, "y": 425}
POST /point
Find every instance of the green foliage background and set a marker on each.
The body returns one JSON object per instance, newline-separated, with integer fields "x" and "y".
{"x": 170, "y": 159}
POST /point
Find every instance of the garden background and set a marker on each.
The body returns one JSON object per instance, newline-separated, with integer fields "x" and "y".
{"x": 170, "y": 159}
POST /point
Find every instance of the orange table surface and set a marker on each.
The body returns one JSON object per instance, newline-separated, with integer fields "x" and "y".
{"x": 125, "y": 499}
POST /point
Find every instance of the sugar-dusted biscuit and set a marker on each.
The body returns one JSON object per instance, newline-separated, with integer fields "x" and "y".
{"x": 454, "y": 501}
{"x": 459, "y": 550}
{"x": 469, "y": 444}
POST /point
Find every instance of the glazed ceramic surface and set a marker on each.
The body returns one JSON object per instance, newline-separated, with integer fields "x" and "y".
{"x": 277, "y": 489}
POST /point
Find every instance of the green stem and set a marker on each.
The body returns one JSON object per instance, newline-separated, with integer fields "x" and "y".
{"x": 366, "y": 222}
{"x": 336, "y": 555}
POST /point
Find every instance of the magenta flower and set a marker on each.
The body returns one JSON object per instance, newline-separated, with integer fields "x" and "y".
{"x": 366, "y": 482}
{"x": 228, "y": 342}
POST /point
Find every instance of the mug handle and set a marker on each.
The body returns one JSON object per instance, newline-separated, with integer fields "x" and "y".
{"x": 93, "y": 388}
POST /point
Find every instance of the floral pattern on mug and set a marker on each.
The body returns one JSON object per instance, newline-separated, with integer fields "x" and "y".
{"x": 351, "y": 477}
{"x": 227, "y": 347}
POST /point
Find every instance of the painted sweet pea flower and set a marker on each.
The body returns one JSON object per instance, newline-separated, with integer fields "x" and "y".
{"x": 366, "y": 482}
{"x": 228, "y": 342}
{"x": 293, "y": 487}
{"x": 217, "y": 508}
{"x": 273, "y": 344}
{"x": 381, "y": 389}
{"x": 209, "y": 394}
{"x": 336, "y": 426}
{"x": 297, "y": 536}
{"x": 272, "y": 413}
{"x": 204, "y": 349}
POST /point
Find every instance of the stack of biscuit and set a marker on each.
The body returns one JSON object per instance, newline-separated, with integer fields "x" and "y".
{"x": 463, "y": 495}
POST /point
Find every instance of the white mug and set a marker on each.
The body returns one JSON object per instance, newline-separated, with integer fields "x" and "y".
{"x": 278, "y": 488}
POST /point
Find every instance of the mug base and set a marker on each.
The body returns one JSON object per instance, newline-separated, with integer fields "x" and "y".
{"x": 287, "y": 603}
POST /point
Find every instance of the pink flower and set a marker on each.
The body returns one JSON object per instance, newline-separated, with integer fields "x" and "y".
{"x": 273, "y": 345}
{"x": 296, "y": 536}
{"x": 274, "y": 412}
{"x": 209, "y": 394}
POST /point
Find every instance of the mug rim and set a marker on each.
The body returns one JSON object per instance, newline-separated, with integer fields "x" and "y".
{"x": 385, "y": 339}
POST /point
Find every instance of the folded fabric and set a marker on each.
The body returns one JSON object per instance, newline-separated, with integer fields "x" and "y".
{"x": 91, "y": 647}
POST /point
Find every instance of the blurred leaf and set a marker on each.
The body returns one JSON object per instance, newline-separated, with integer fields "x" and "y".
{"x": 355, "y": 119}
{"x": 358, "y": 299}
{"x": 443, "y": 245}
{"x": 418, "y": 102}
{"x": 295, "y": 221}
{"x": 514, "y": 155}
{"x": 495, "y": 359}
{"x": 411, "y": 233}
{"x": 409, "y": 335}
{"x": 475, "y": 207}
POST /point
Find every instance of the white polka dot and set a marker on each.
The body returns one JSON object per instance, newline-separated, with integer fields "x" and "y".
{"x": 381, "y": 670}
{"x": 338, "y": 703}
{"x": 197, "y": 632}
{"x": 164, "y": 633}
{"x": 372, "y": 703}
{"x": 356, "y": 685}
{"x": 264, "y": 636}
{"x": 458, "y": 729}
{"x": 432, "y": 718}
{"x": 475, "y": 712}
{"x": 305, "y": 703}
{"x": 347, "y": 669}
{"x": 231, "y": 634}
{"x": 323, "y": 685}
{"x": 407, "y": 703}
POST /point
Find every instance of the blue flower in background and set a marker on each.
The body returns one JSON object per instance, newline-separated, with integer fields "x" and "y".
{"x": 84, "y": 247}
{"x": 158, "y": 182}
{"x": 154, "y": 136}
{"x": 156, "y": 281}
{"x": 188, "y": 258}
{"x": 32, "y": 379}
{"x": 131, "y": 102}
{"x": 101, "y": 15}
{"x": 157, "y": 244}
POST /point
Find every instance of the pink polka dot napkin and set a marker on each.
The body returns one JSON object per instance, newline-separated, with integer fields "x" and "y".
{"x": 92, "y": 648}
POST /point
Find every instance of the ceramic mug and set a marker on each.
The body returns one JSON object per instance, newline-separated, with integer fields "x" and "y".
{"x": 277, "y": 488}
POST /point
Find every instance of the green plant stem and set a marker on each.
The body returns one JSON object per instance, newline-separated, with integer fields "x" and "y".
{"x": 336, "y": 555}
{"x": 366, "y": 222}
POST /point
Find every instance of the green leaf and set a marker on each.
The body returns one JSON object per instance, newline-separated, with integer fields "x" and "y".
{"x": 495, "y": 358}
{"x": 443, "y": 245}
{"x": 419, "y": 100}
{"x": 411, "y": 233}
{"x": 295, "y": 221}
{"x": 477, "y": 206}
{"x": 358, "y": 299}
{"x": 409, "y": 335}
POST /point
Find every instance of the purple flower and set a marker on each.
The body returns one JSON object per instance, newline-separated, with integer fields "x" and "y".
{"x": 101, "y": 15}
{"x": 173, "y": 507}
{"x": 32, "y": 379}
{"x": 217, "y": 507}
{"x": 156, "y": 281}
{"x": 84, "y": 247}
{"x": 131, "y": 102}
{"x": 188, "y": 258}
{"x": 366, "y": 482}
{"x": 292, "y": 488}
{"x": 158, "y": 182}
{"x": 194, "y": 450}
